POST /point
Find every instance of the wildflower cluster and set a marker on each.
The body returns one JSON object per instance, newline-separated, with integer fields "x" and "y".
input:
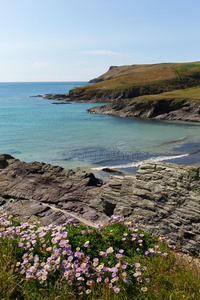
{"x": 85, "y": 258}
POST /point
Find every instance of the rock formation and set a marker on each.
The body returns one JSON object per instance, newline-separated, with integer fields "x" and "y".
{"x": 169, "y": 109}
{"x": 35, "y": 189}
{"x": 165, "y": 197}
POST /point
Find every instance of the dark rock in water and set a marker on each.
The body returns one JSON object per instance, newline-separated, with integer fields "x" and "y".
{"x": 56, "y": 97}
{"x": 57, "y": 103}
{"x": 36, "y": 96}
{"x": 164, "y": 196}
{"x": 108, "y": 170}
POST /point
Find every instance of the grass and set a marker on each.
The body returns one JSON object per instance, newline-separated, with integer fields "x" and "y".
{"x": 148, "y": 76}
{"x": 191, "y": 93}
{"x": 115, "y": 261}
{"x": 118, "y": 71}
{"x": 130, "y": 80}
{"x": 137, "y": 80}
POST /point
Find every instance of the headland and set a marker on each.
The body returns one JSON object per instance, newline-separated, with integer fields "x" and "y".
{"x": 164, "y": 91}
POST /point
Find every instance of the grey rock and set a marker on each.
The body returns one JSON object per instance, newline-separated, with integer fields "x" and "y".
{"x": 167, "y": 109}
{"x": 164, "y": 197}
{"x": 27, "y": 188}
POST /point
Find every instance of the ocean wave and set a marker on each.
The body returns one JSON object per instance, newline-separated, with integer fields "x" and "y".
{"x": 176, "y": 141}
{"x": 137, "y": 164}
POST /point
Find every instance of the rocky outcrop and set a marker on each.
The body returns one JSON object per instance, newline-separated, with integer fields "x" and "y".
{"x": 169, "y": 109}
{"x": 63, "y": 97}
{"x": 58, "y": 103}
{"x": 29, "y": 188}
{"x": 165, "y": 197}
{"x": 56, "y": 97}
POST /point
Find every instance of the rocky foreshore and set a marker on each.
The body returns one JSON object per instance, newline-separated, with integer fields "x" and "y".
{"x": 170, "y": 109}
{"x": 165, "y": 197}
{"x": 166, "y": 109}
{"x": 66, "y": 98}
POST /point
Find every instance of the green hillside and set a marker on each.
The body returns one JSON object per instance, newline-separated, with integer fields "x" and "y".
{"x": 187, "y": 94}
{"x": 161, "y": 69}
{"x": 137, "y": 80}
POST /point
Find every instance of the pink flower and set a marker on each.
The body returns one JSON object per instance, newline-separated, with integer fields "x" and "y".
{"x": 86, "y": 244}
{"x": 116, "y": 289}
{"x": 164, "y": 254}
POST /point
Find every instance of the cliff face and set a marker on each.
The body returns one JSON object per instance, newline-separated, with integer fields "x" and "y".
{"x": 165, "y": 197}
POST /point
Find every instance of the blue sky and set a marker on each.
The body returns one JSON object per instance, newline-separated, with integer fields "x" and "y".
{"x": 77, "y": 40}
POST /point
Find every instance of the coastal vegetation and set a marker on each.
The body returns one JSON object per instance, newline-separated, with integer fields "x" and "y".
{"x": 183, "y": 104}
{"x": 164, "y": 91}
{"x": 136, "y": 80}
{"x": 185, "y": 94}
{"x": 71, "y": 261}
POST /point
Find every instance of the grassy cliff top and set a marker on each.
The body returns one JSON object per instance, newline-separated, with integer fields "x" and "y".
{"x": 190, "y": 93}
{"x": 137, "y": 80}
{"x": 165, "y": 70}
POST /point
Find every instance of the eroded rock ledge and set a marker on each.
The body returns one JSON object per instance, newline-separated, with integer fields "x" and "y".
{"x": 165, "y": 197}
{"x": 168, "y": 109}
{"x": 36, "y": 189}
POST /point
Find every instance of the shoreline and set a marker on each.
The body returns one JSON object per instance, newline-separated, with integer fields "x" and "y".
{"x": 177, "y": 109}
{"x": 169, "y": 109}
{"x": 188, "y": 157}
{"x": 131, "y": 168}
{"x": 104, "y": 172}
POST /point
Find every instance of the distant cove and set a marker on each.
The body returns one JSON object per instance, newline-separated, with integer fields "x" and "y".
{"x": 66, "y": 135}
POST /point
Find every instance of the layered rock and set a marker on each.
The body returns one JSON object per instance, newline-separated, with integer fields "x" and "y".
{"x": 169, "y": 109}
{"x": 165, "y": 197}
{"x": 35, "y": 189}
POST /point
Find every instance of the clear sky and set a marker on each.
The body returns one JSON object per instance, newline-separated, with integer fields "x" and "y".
{"x": 77, "y": 40}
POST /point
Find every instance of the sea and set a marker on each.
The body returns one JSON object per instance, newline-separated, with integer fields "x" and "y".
{"x": 35, "y": 129}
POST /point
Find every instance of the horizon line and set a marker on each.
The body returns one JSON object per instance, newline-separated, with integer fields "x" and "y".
{"x": 42, "y": 81}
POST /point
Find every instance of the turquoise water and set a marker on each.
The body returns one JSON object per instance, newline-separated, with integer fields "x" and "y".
{"x": 66, "y": 135}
